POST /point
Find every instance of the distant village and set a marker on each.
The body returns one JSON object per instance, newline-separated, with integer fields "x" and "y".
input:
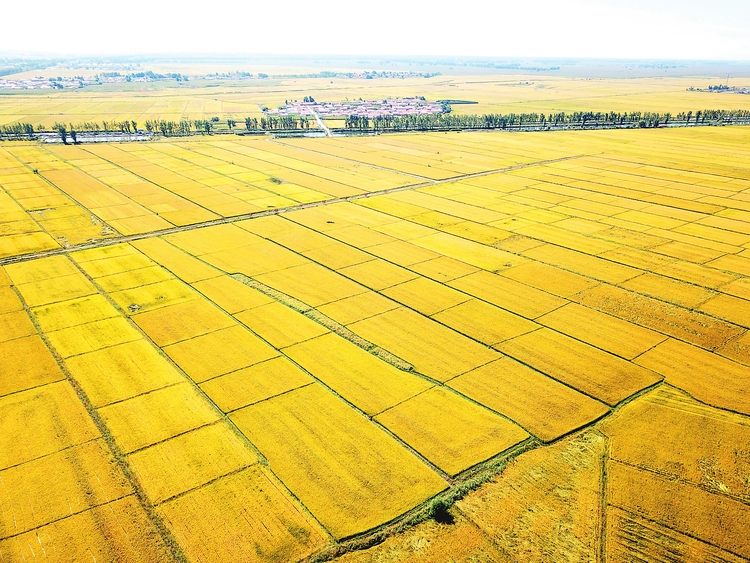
{"x": 362, "y": 108}
{"x": 67, "y": 82}
{"x": 722, "y": 88}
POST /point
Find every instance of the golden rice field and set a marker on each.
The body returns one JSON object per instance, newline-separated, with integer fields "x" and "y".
{"x": 281, "y": 350}
{"x": 521, "y": 93}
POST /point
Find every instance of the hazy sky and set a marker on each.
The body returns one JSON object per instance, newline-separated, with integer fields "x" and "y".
{"x": 687, "y": 29}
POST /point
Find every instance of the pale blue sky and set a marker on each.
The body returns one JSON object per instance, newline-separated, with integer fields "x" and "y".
{"x": 686, "y": 29}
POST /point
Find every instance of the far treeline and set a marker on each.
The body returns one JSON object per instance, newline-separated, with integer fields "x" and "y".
{"x": 354, "y": 124}
{"x": 183, "y": 128}
{"x": 540, "y": 121}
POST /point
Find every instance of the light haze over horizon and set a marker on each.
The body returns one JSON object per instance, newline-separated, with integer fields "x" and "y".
{"x": 644, "y": 29}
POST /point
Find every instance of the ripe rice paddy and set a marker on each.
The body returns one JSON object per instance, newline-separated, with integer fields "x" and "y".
{"x": 215, "y": 366}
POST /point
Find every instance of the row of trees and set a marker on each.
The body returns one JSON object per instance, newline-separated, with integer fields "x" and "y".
{"x": 451, "y": 121}
{"x": 280, "y": 123}
{"x": 435, "y": 122}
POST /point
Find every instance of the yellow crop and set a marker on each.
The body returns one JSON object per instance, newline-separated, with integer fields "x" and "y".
{"x": 254, "y": 384}
{"x": 434, "y": 350}
{"x": 244, "y": 513}
{"x": 280, "y": 325}
{"x": 358, "y": 376}
{"x": 508, "y": 387}
{"x": 350, "y": 480}
{"x": 449, "y": 430}
{"x": 204, "y": 357}
{"x": 152, "y": 417}
{"x": 121, "y": 372}
{"x": 188, "y": 319}
{"x": 190, "y": 460}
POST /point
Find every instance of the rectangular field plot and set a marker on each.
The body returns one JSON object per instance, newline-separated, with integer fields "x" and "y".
{"x": 433, "y": 350}
{"x": 348, "y": 472}
{"x": 17, "y": 372}
{"x": 280, "y": 325}
{"x": 708, "y": 377}
{"x": 48, "y": 488}
{"x": 254, "y": 384}
{"x": 150, "y": 418}
{"x": 123, "y": 371}
{"x": 247, "y": 512}
{"x": 449, "y": 430}
{"x": 509, "y": 387}
{"x": 715, "y": 519}
{"x": 118, "y": 531}
{"x": 190, "y": 460}
{"x": 361, "y": 378}
{"x": 609, "y": 333}
{"x": 42, "y": 421}
{"x": 668, "y": 432}
{"x": 220, "y": 352}
{"x": 583, "y": 367}
{"x": 175, "y": 323}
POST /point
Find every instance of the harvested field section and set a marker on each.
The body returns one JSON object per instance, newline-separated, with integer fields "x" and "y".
{"x": 667, "y": 432}
{"x": 715, "y": 519}
{"x": 509, "y": 387}
{"x": 450, "y": 431}
{"x": 350, "y": 480}
{"x": 431, "y": 541}
{"x": 527, "y": 513}
{"x": 627, "y": 535}
{"x": 241, "y": 514}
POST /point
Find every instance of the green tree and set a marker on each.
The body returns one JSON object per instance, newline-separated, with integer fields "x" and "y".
{"x": 62, "y": 131}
